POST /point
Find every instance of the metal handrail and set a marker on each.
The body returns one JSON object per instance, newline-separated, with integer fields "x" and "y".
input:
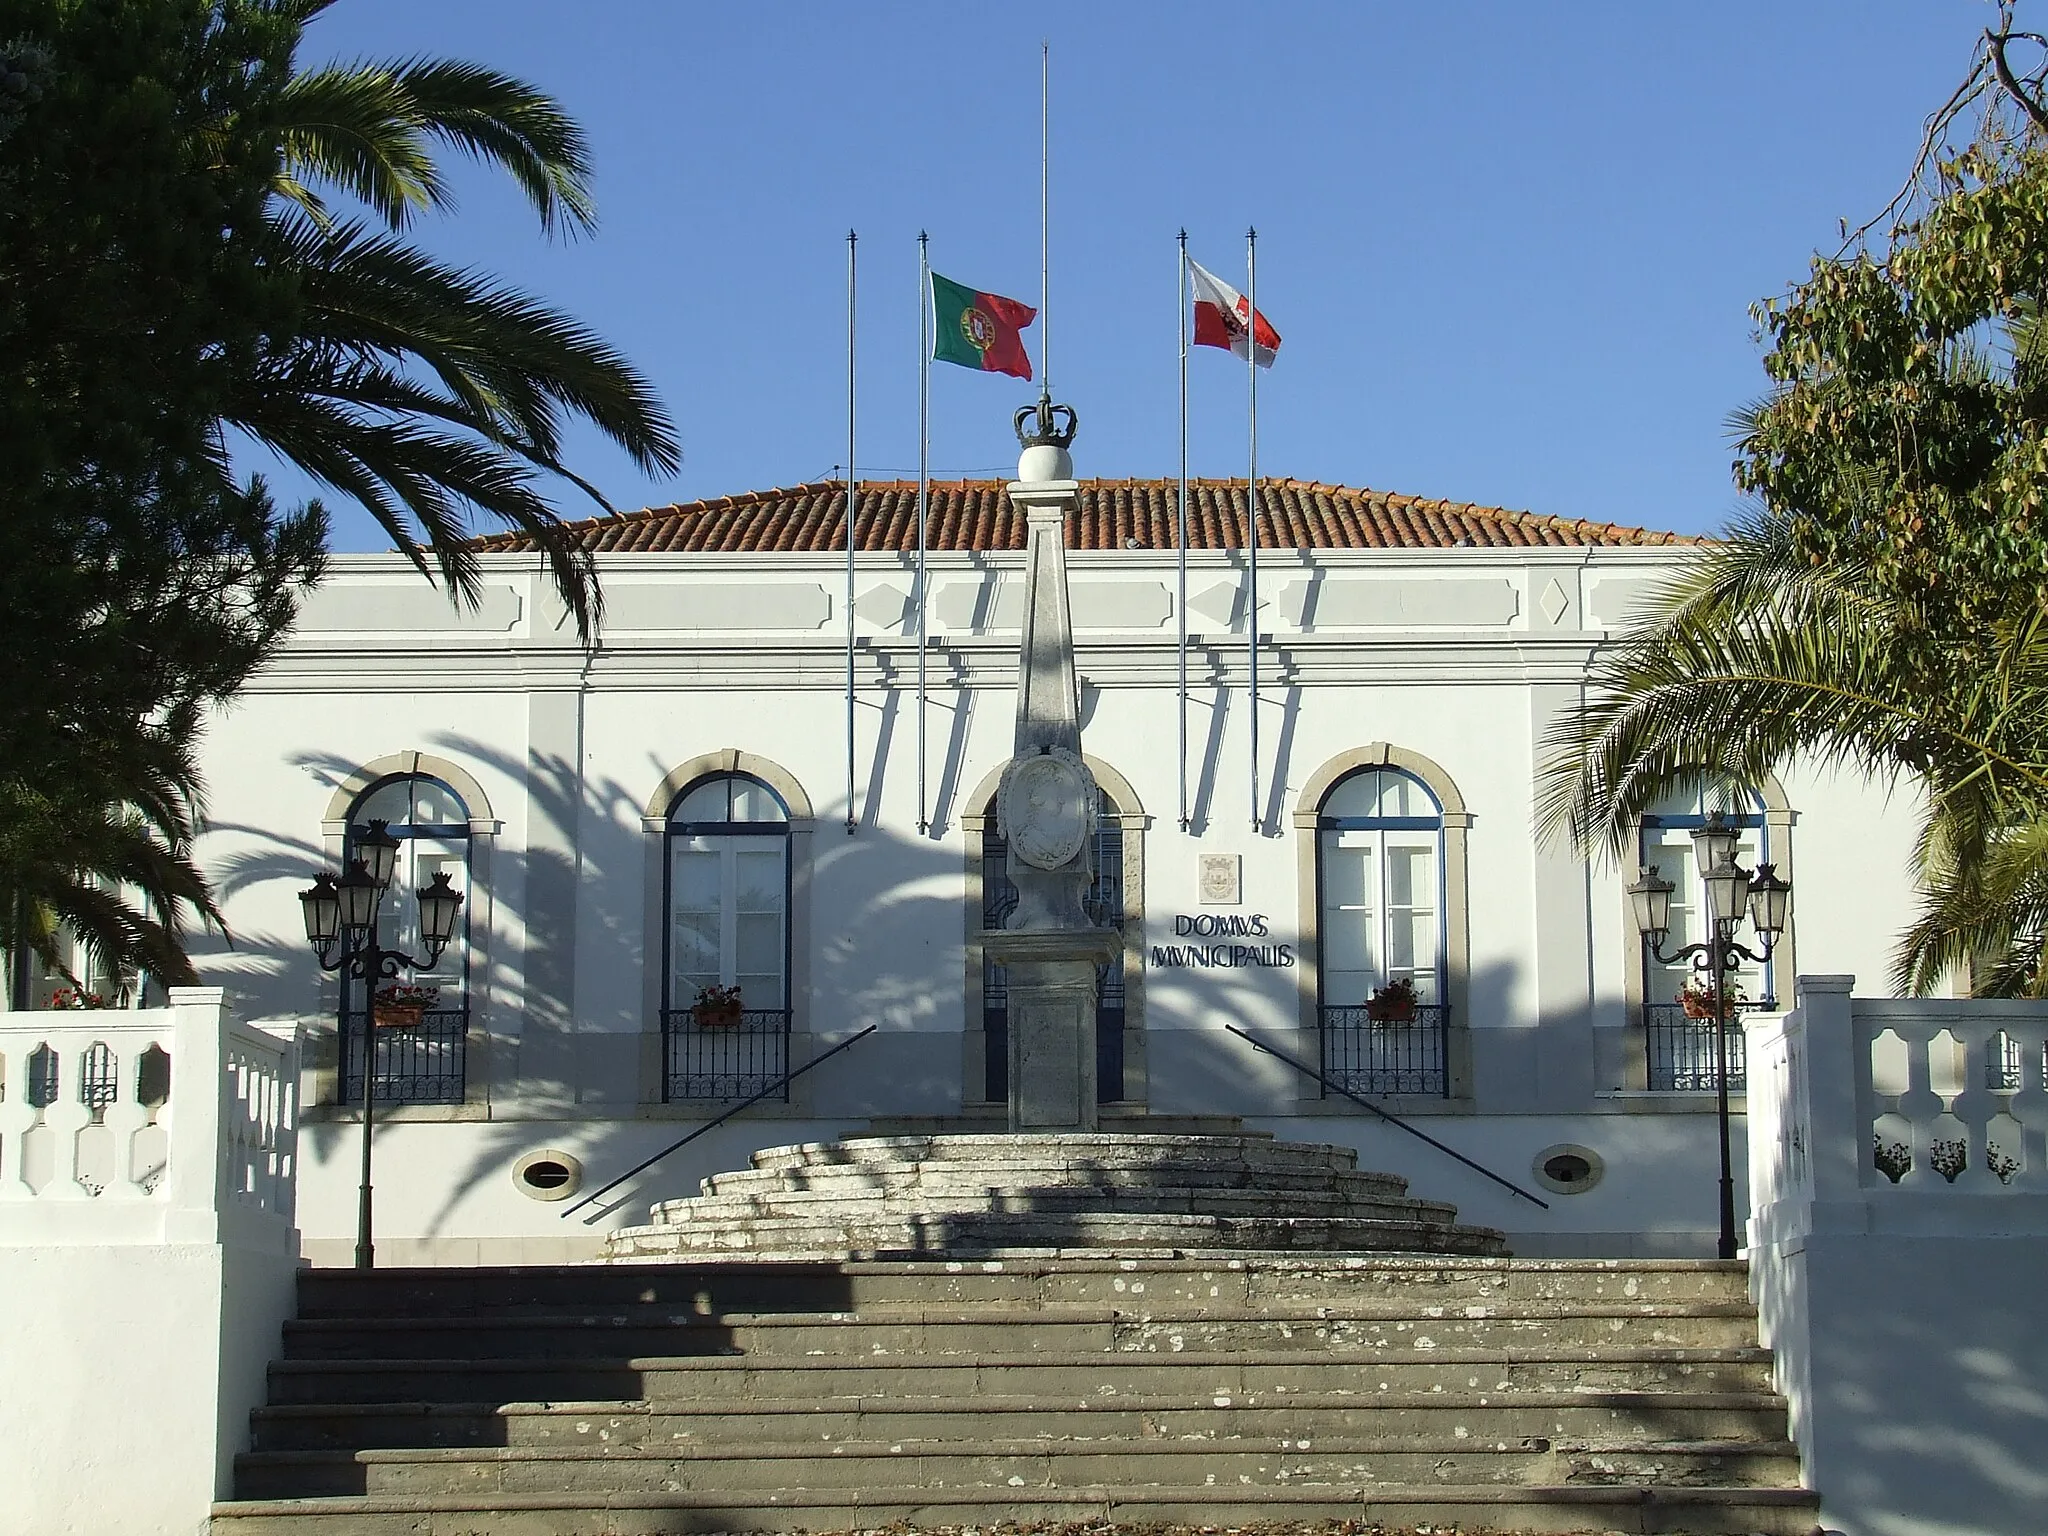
{"x": 777, "y": 1086}
{"x": 1302, "y": 1066}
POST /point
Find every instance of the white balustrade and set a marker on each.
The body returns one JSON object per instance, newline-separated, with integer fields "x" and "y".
{"x": 146, "y": 1125}
{"x": 1925, "y": 1110}
{"x": 1898, "y": 1232}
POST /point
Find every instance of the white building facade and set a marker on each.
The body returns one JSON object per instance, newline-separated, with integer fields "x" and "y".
{"x": 700, "y": 801}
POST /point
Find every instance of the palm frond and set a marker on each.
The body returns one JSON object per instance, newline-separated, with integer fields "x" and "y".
{"x": 354, "y": 127}
{"x": 367, "y": 129}
{"x": 505, "y": 122}
{"x": 1983, "y": 917}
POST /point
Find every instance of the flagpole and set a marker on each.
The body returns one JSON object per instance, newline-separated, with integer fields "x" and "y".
{"x": 1044, "y": 220}
{"x": 924, "y": 458}
{"x": 1180, "y": 603}
{"x": 852, "y": 239}
{"x": 1251, "y": 617}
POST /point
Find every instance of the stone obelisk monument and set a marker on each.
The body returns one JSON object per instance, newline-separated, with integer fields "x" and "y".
{"x": 1046, "y": 809}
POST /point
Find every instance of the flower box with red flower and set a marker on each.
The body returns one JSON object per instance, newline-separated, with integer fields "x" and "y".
{"x": 1394, "y": 1003}
{"x": 717, "y": 1008}
{"x": 402, "y": 1007}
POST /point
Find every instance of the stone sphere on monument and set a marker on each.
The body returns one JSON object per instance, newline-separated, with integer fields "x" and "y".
{"x": 1040, "y": 462}
{"x": 1045, "y": 437}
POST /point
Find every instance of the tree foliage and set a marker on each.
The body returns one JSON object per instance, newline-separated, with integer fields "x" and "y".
{"x": 1886, "y": 607}
{"x": 423, "y": 392}
{"x": 172, "y": 272}
{"x": 138, "y": 583}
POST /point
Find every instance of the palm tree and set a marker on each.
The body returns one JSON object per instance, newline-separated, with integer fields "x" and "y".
{"x": 104, "y": 860}
{"x": 416, "y": 389}
{"x": 423, "y": 392}
{"x": 100, "y": 791}
{"x": 1759, "y": 657}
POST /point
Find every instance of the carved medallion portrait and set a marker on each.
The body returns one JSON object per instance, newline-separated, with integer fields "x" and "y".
{"x": 1047, "y": 805}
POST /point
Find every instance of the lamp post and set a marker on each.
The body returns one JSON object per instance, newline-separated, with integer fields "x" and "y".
{"x": 1730, "y": 888}
{"x": 344, "y": 912}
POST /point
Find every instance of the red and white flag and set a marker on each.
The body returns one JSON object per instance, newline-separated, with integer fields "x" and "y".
{"x": 1221, "y": 316}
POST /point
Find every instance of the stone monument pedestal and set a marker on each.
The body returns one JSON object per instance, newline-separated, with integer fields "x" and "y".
{"x": 1052, "y": 1023}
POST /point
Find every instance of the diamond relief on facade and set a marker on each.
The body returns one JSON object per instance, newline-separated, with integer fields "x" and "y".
{"x": 1553, "y": 602}
{"x": 883, "y": 605}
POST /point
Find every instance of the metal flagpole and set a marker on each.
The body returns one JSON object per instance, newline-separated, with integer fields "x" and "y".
{"x": 1044, "y": 220}
{"x": 1251, "y": 534}
{"x": 1180, "y": 602}
{"x": 924, "y": 474}
{"x": 852, "y": 239}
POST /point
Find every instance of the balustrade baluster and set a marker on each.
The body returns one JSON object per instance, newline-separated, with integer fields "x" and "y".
{"x": 2029, "y": 1107}
{"x": 66, "y": 1117}
{"x": 1975, "y": 1105}
{"x": 1919, "y": 1104}
{"x": 124, "y": 1118}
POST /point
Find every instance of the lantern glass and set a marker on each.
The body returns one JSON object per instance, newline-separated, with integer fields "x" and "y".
{"x": 1770, "y": 901}
{"x": 321, "y": 907}
{"x": 378, "y": 851}
{"x": 440, "y": 905}
{"x": 359, "y": 895}
{"x": 1727, "y": 890}
{"x": 1713, "y": 842}
{"x": 1650, "y": 898}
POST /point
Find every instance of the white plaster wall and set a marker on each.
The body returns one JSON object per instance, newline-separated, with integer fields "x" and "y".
{"x": 570, "y": 749}
{"x": 1853, "y": 893}
{"x": 131, "y": 1372}
{"x": 445, "y": 1192}
{"x": 1918, "y": 1362}
{"x": 273, "y": 762}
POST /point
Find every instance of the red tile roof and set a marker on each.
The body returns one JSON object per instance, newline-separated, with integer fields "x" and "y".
{"x": 1114, "y": 514}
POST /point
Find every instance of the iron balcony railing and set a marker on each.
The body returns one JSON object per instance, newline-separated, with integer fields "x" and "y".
{"x": 426, "y": 1064}
{"x": 718, "y": 1063}
{"x": 2002, "y": 1069}
{"x": 1388, "y": 1056}
{"x": 1681, "y": 1049}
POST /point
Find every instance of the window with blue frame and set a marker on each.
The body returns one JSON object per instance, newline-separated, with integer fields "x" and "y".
{"x": 1380, "y": 922}
{"x": 725, "y": 940}
{"x": 426, "y": 1063}
{"x": 1680, "y": 1048}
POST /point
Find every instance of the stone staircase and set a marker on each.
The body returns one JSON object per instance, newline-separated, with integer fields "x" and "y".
{"x": 1217, "y": 1389}
{"x": 944, "y": 1194}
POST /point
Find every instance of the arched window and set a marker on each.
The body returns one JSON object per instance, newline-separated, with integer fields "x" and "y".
{"x": 726, "y": 940}
{"x": 1104, "y": 904}
{"x": 33, "y": 983}
{"x": 1380, "y": 902}
{"x": 428, "y": 1062}
{"x": 1680, "y": 1049}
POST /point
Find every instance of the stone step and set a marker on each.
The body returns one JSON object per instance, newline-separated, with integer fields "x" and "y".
{"x": 880, "y": 1466}
{"x": 1231, "y": 1280}
{"x": 932, "y": 1332}
{"x": 840, "y": 1207}
{"x": 965, "y": 1233}
{"x": 1532, "y": 1511}
{"x": 1216, "y": 1379}
{"x": 993, "y": 1120}
{"x": 1017, "y": 1184}
{"x": 1227, "y": 1169}
{"x": 1615, "y": 1417}
{"x": 1103, "y": 1149}
{"x": 971, "y": 1178}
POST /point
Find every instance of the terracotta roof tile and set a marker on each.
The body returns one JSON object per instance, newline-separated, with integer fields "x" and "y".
{"x": 967, "y": 515}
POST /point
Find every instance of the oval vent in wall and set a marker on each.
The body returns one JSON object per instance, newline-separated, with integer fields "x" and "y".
{"x": 548, "y": 1174}
{"x": 1568, "y": 1169}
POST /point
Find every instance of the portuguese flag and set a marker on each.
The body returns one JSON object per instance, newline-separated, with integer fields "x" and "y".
{"x": 979, "y": 330}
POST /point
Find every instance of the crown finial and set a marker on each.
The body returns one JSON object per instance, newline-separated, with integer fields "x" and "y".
{"x": 1045, "y": 437}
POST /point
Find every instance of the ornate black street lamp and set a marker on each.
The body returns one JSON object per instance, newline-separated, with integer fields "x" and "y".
{"x": 344, "y": 912}
{"x": 1730, "y": 888}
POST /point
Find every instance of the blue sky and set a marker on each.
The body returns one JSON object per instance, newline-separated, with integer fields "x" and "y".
{"x": 1510, "y": 247}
